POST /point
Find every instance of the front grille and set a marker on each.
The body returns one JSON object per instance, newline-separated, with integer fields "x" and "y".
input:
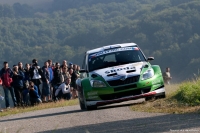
{"x": 125, "y": 87}
{"x": 126, "y": 81}
{"x": 124, "y": 94}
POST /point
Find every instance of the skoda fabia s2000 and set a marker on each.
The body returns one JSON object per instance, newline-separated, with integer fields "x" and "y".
{"x": 118, "y": 73}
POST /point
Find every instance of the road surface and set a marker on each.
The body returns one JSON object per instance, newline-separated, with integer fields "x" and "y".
{"x": 115, "y": 118}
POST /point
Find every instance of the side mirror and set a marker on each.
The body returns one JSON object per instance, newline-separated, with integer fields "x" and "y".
{"x": 150, "y": 58}
{"x": 78, "y": 82}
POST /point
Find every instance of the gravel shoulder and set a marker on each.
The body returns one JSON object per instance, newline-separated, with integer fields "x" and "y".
{"x": 114, "y": 118}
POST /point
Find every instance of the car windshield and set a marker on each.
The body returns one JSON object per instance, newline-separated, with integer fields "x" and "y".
{"x": 114, "y": 57}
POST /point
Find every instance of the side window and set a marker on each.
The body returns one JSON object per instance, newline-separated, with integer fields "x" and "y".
{"x": 84, "y": 66}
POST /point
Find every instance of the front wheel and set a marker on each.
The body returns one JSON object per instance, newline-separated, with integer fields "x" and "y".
{"x": 82, "y": 104}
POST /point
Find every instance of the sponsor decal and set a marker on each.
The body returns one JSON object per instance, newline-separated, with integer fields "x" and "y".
{"x": 92, "y": 93}
{"x": 155, "y": 82}
{"x": 112, "y": 51}
{"x": 119, "y": 69}
{"x": 92, "y": 97}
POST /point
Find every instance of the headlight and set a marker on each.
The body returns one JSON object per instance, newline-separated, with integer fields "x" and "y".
{"x": 97, "y": 83}
{"x": 148, "y": 74}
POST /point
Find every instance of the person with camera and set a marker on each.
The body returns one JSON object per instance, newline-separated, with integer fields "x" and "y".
{"x": 35, "y": 73}
{"x": 6, "y": 77}
{"x": 33, "y": 94}
{"x": 18, "y": 78}
{"x": 64, "y": 90}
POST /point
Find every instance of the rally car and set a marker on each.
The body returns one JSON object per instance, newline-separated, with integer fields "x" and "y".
{"x": 117, "y": 73}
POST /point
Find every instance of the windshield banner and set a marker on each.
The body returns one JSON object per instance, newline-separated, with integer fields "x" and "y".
{"x": 112, "y": 51}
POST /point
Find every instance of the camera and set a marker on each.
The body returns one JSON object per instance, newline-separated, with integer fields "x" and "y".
{"x": 35, "y": 64}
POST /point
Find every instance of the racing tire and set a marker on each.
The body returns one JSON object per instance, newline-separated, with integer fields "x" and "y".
{"x": 82, "y": 104}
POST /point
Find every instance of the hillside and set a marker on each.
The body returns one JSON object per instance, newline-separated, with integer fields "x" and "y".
{"x": 167, "y": 30}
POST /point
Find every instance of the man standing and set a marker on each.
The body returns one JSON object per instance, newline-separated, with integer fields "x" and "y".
{"x": 64, "y": 64}
{"x": 46, "y": 82}
{"x": 18, "y": 85}
{"x": 51, "y": 76}
{"x": 6, "y": 76}
{"x": 166, "y": 76}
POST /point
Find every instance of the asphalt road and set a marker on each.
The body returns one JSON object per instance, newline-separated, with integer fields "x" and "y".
{"x": 116, "y": 118}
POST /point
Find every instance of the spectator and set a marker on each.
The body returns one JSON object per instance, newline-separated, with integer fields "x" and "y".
{"x": 50, "y": 77}
{"x": 6, "y": 76}
{"x": 20, "y": 67}
{"x": 46, "y": 82}
{"x": 58, "y": 78}
{"x": 53, "y": 66}
{"x": 1, "y": 99}
{"x": 70, "y": 66}
{"x": 64, "y": 64}
{"x": 33, "y": 94}
{"x": 36, "y": 73}
{"x": 64, "y": 90}
{"x": 25, "y": 93}
{"x": 166, "y": 76}
{"x": 65, "y": 73}
{"x": 73, "y": 83}
{"x": 27, "y": 73}
{"x": 18, "y": 78}
{"x": 78, "y": 71}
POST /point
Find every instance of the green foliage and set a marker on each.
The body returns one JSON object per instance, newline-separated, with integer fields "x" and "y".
{"x": 167, "y": 30}
{"x": 189, "y": 93}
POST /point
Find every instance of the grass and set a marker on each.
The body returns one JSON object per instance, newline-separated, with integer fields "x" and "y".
{"x": 180, "y": 98}
{"x": 61, "y": 103}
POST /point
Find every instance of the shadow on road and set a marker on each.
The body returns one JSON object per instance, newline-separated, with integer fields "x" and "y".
{"x": 165, "y": 123}
{"x": 69, "y": 112}
{"x": 116, "y": 106}
{"x": 44, "y": 115}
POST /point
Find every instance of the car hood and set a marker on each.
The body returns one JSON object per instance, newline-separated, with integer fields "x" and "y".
{"x": 121, "y": 71}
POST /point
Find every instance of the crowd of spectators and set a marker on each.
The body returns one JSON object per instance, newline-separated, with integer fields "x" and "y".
{"x": 34, "y": 84}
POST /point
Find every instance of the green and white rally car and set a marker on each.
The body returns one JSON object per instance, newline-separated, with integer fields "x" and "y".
{"x": 118, "y": 73}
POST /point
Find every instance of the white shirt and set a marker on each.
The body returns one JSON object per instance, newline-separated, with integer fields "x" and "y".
{"x": 65, "y": 89}
{"x": 36, "y": 74}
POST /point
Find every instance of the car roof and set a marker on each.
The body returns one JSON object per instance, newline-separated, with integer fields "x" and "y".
{"x": 111, "y": 46}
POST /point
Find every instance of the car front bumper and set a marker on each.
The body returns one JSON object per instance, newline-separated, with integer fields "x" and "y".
{"x": 160, "y": 91}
